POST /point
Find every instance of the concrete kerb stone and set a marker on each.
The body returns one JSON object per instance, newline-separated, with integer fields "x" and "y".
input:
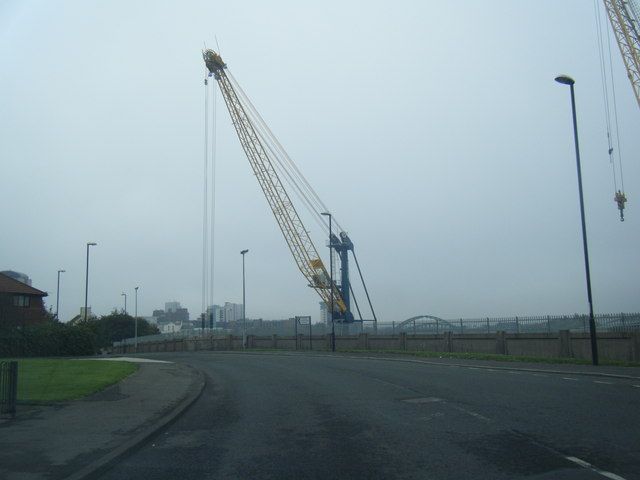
{"x": 441, "y": 364}
{"x": 98, "y": 467}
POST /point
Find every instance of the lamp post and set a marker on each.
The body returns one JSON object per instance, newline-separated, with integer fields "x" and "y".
{"x": 244, "y": 305}
{"x": 86, "y": 281}
{"x": 333, "y": 328}
{"x": 566, "y": 80}
{"x": 125, "y": 302}
{"x": 135, "y": 320}
{"x": 58, "y": 294}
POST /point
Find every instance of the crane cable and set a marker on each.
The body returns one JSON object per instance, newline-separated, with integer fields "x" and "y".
{"x": 619, "y": 193}
{"x": 208, "y": 195}
{"x": 205, "y": 205}
{"x": 293, "y": 175}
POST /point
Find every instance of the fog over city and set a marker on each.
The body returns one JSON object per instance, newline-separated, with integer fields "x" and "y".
{"x": 433, "y": 131}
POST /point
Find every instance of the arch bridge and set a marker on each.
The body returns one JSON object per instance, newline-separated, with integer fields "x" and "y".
{"x": 426, "y": 324}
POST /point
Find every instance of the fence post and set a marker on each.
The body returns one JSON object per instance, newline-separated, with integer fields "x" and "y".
{"x": 437, "y": 328}
{"x": 8, "y": 387}
{"x": 548, "y": 324}
{"x": 488, "y": 331}
{"x": 501, "y": 343}
{"x": 624, "y": 327}
{"x": 517, "y": 325}
{"x": 461, "y": 327}
{"x": 565, "y": 343}
{"x": 393, "y": 326}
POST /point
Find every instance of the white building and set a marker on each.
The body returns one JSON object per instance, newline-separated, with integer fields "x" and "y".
{"x": 232, "y": 312}
{"x": 171, "y": 307}
{"x": 324, "y": 314}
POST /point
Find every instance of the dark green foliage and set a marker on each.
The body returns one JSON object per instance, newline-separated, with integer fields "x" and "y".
{"x": 53, "y": 338}
{"x": 118, "y": 326}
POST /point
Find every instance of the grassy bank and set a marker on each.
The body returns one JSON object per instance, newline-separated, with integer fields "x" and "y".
{"x": 495, "y": 357}
{"x": 54, "y": 380}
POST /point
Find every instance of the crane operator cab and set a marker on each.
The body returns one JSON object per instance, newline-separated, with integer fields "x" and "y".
{"x": 620, "y": 199}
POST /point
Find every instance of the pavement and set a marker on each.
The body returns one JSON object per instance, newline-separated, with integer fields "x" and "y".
{"x": 317, "y": 416}
{"x": 279, "y": 415}
{"x": 80, "y": 439}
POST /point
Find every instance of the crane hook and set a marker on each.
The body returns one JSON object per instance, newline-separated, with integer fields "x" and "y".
{"x": 620, "y": 198}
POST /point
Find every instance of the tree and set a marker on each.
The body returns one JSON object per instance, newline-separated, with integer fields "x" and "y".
{"x": 117, "y": 326}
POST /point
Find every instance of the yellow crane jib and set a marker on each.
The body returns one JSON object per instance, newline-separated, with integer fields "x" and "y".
{"x": 296, "y": 235}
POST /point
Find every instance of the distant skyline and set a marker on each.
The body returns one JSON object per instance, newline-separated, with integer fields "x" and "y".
{"x": 434, "y": 132}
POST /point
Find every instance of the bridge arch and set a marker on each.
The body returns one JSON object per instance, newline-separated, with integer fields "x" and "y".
{"x": 426, "y": 323}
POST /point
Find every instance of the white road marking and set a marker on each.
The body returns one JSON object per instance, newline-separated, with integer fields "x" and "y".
{"x": 637, "y": 386}
{"x": 423, "y": 400}
{"x": 540, "y": 375}
{"x": 588, "y": 466}
{"x": 602, "y": 383}
{"x": 473, "y": 414}
{"x": 569, "y": 378}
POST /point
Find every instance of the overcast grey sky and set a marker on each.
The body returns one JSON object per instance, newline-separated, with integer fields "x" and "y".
{"x": 433, "y": 131}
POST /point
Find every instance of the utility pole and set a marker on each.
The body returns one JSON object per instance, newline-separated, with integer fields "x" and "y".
{"x": 86, "y": 281}
{"x": 244, "y": 311}
{"x": 58, "y": 294}
{"x": 566, "y": 80}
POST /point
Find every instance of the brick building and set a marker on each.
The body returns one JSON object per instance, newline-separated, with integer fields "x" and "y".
{"x": 20, "y": 304}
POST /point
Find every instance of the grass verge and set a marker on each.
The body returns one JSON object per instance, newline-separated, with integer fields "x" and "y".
{"x": 496, "y": 357}
{"x": 44, "y": 380}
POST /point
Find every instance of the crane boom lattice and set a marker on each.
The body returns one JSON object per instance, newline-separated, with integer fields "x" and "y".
{"x": 302, "y": 248}
{"x": 623, "y": 17}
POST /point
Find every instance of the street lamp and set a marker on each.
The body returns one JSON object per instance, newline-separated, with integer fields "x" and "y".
{"x": 58, "y": 294}
{"x": 125, "y": 302}
{"x": 135, "y": 329}
{"x": 86, "y": 282}
{"x": 333, "y": 328}
{"x": 244, "y": 316}
{"x": 566, "y": 80}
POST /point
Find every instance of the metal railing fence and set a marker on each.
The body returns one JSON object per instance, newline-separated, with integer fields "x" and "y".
{"x": 8, "y": 387}
{"x": 607, "y": 322}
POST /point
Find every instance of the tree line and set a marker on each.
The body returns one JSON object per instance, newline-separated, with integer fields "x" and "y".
{"x": 84, "y": 337}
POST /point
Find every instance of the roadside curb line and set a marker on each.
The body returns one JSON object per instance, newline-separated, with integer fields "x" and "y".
{"x": 97, "y": 468}
{"x": 440, "y": 364}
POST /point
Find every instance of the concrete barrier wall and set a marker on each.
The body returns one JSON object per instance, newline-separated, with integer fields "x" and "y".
{"x": 623, "y": 346}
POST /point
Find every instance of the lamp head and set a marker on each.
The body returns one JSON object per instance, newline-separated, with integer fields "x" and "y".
{"x": 565, "y": 80}
{"x": 326, "y": 214}
{"x": 61, "y": 271}
{"x": 244, "y": 251}
{"x": 92, "y": 244}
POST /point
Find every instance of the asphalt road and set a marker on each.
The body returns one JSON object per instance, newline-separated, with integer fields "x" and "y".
{"x": 266, "y": 416}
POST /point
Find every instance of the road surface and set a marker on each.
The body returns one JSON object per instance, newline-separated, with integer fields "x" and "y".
{"x": 272, "y": 416}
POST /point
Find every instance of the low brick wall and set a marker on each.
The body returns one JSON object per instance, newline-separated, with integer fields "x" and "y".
{"x": 624, "y": 346}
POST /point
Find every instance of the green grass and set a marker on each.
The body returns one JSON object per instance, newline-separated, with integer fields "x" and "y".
{"x": 42, "y": 381}
{"x": 496, "y": 357}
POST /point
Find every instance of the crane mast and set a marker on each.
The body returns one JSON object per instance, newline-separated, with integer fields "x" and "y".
{"x": 302, "y": 248}
{"x": 623, "y": 16}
